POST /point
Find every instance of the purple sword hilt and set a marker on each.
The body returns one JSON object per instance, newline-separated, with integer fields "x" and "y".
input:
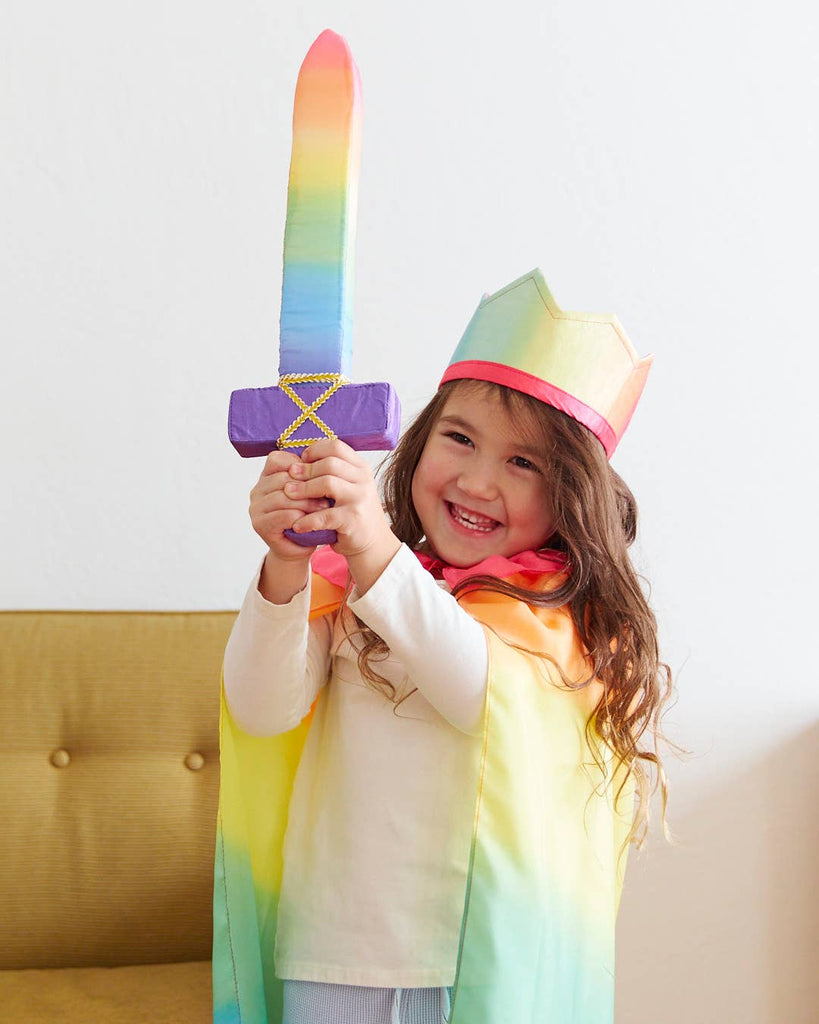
{"x": 367, "y": 417}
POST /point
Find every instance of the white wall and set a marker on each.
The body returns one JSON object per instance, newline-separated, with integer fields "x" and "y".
{"x": 657, "y": 160}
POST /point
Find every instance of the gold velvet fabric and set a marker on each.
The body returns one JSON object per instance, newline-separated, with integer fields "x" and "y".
{"x": 155, "y": 994}
{"x": 109, "y": 780}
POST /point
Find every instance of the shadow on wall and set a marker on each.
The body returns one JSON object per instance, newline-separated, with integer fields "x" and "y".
{"x": 723, "y": 927}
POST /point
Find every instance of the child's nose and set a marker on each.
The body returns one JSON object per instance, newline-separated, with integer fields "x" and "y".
{"x": 478, "y": 481}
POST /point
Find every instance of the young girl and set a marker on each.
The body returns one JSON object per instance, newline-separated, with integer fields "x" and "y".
{"x": 445, "y": 709}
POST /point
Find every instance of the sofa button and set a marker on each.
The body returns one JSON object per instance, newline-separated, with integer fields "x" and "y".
{"x": 60, "y": 758}
{"x": 194, "y": 761}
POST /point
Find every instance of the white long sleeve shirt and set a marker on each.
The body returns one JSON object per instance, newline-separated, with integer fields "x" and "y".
{"x": 377, "y": 844}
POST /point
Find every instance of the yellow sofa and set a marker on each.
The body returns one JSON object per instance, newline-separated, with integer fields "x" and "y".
{"x": 109, "y": 780}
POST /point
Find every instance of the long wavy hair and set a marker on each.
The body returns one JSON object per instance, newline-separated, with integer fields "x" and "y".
{"x": 595, "y": 522}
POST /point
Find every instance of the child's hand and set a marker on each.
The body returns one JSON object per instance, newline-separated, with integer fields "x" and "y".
{"x": 331, "y": 469}
{"x": 272, "y": 511}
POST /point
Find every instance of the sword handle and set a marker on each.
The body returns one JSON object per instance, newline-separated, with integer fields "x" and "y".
{"x": 312, "y": 539}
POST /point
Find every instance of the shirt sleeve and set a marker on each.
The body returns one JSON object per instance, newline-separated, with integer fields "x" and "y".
{"x": 275, "y": 662}
{"x": 442, "y": 648}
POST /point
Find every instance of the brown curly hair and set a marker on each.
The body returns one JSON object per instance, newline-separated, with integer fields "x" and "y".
{"x": 595, "y": 517}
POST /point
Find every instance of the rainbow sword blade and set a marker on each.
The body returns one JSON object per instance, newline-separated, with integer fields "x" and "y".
{"x": 313, "y": 397}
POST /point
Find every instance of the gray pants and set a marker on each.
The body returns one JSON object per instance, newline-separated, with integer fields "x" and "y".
{"x": 310, "y": 1002}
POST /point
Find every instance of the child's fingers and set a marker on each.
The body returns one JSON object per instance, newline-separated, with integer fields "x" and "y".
{"x": 326, "y": 519}
{"x": 280, "y": 519}
{"x": 278, "y": 461}
{"x": 269, "y": 495}
{"x": 347, "y": 521}
{"x": 328, "y": 486}
{"x": 269, "y": 483}
{"x": 345, "y": 505}
{"x": 272, "y": 511}
{"x": 272, "y": 526}
{"x": 328, "y": 469}
{"x": 331, "y": 448}
{"x": 272, "y": 479}
{"x": 278, "y": 501}
{"x": 356, "y": 513}
{"x": 331, "y": 459}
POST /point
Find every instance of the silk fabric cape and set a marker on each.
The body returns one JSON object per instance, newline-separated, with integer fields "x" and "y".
{"x": 547, "y": 854}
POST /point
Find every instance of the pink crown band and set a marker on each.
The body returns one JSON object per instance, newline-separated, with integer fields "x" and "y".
{"x": 519, "y": 380}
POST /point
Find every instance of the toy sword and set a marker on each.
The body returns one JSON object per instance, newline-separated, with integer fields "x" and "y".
{"x": 314, "y": 398}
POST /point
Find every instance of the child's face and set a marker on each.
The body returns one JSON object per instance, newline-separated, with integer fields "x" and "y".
{"x": 479, "y": 488}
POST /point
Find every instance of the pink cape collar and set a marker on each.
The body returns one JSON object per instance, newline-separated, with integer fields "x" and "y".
{"x": 333, "y": 567}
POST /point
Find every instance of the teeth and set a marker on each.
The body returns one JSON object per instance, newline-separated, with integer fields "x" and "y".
{"x": 472, "y": 520}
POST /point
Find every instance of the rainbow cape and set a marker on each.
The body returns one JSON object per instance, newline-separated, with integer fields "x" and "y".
{"x": 547, "y": 851}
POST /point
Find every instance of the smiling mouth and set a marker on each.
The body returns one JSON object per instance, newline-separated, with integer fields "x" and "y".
{"x": 471, "y": 520}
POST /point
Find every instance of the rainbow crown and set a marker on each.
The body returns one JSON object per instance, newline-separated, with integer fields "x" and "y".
{"x": 581, "y": 363}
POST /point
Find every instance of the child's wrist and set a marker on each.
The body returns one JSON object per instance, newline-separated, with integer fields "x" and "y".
{"x": 366, "y": 566}
{"x": 281, "y": 578}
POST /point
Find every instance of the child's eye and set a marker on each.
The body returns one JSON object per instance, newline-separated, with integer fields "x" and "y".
{"x": 457, "y": 437}
{"x": 519, "y": 460}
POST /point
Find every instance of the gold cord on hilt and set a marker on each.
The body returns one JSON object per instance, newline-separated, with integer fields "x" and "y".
{"x": 308, "y": 412}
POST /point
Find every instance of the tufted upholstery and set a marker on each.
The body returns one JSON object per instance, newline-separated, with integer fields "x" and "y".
{"x": 108, "y": 790}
